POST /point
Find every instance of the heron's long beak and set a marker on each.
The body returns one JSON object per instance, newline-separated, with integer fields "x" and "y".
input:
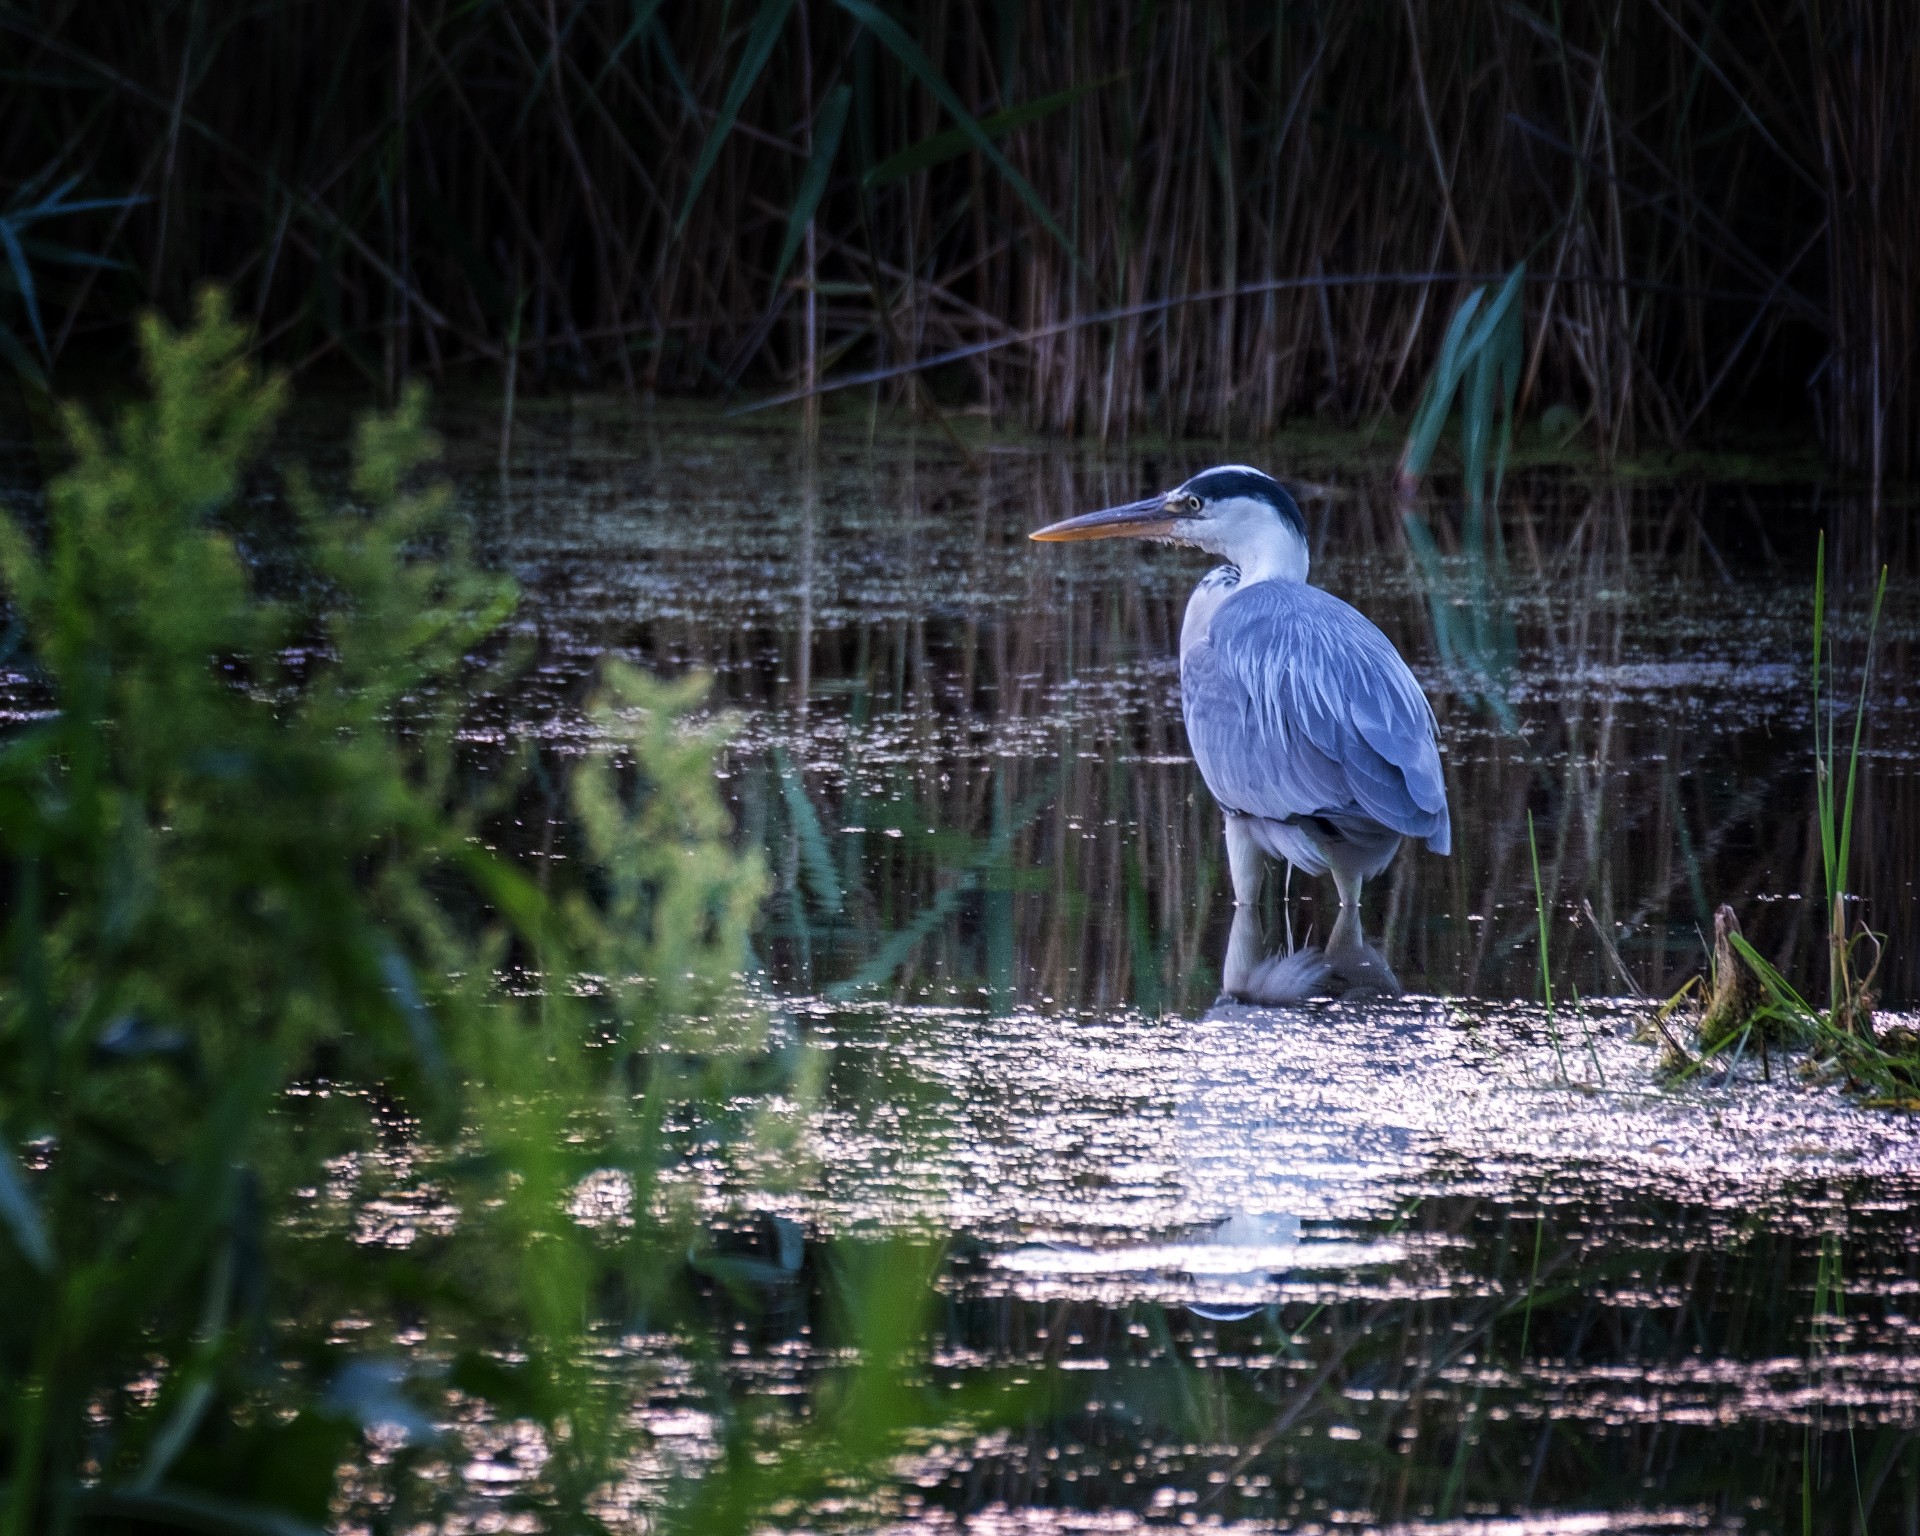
{"x": 1137, "y": 519}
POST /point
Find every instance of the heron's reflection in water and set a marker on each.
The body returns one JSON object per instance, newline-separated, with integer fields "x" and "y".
{"x": 1347, "y": 966}
{"x": 1254, "y": 980}
{"x": 1288, "y": 1128}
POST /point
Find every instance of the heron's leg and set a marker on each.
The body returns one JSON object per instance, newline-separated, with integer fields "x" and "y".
{"x": 1243, "y": 861}
{"x": 1346, "y": 937}
{"x": 1348, "y": 886}
{"x": 1286, "y": 905}
{"x": 1243, "y": 952}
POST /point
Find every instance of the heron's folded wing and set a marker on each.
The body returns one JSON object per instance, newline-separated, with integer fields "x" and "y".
{"x": 1255, "y": 766}
{"x": 1296, "y": 704}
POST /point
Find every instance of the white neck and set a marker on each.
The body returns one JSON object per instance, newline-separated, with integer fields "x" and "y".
{"x": 1255, "y": 538}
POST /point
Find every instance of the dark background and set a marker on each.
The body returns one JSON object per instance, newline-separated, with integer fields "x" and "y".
{"x": 1714, "y": 201}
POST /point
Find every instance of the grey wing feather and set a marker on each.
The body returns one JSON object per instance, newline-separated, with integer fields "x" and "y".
{"x": 1297, "y": 705}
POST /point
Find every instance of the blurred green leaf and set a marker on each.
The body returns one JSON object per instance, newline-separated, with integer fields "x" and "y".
{"x": 21, "y": 1213}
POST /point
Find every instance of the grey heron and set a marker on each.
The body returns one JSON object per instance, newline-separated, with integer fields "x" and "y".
{"x": 1306, "y": 724}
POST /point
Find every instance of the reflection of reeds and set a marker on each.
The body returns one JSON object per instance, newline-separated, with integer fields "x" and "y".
{"x": 1675, "y": 1328}
{"x": 674, "y": 197}
{"x": 957, "y": 674}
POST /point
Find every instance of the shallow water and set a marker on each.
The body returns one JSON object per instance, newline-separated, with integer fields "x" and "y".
{"x": 1448, "y": 1262}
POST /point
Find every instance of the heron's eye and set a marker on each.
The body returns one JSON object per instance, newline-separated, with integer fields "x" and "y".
{"x": 1193, "y": 503}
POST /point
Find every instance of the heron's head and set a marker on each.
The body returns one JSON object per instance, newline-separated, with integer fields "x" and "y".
{"x": 1230, "y": 510}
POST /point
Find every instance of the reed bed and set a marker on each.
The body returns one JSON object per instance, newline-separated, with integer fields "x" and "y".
{"x": 1274, "y": 208}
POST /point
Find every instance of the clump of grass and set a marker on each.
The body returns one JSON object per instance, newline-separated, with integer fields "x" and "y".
{"x": 1842, "y": 1032}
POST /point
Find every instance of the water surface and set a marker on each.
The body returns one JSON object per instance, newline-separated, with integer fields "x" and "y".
{"x": 1452, "y": 1261}
{"x": 1445, "y": 1262}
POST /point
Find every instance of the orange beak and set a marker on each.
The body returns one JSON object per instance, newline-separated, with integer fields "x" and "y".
{"x": 1147, "y": 519}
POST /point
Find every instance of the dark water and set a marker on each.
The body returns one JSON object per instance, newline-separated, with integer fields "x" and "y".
{"x": 1450, "y": 1262}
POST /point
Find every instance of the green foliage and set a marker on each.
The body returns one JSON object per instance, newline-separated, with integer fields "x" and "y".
{"x": 1479, "y": 366}
{"x": 250, "y": 980}
{"x": 1479, "y": 369}
{"x": 1846, "y": 995}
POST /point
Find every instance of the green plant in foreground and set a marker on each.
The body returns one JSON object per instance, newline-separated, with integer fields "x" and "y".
{"x": 249, "y": 983}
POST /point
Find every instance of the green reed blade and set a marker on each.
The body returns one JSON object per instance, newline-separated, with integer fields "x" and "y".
{"x": 1822, "y": 749}
{"x": 761, "y": 37}
{"x": 23, "y": 282}
{"x": 909, "y": 53}
{"x": 1430, "y": 417}
{"x": 816, "y": 857}
{"x": 826, "y": 144}
{"x": 644, "y": 12}
{"x": 1546, "y": 970}
{"x": 1853, "y": 755}
{"x": 951, "y": 143}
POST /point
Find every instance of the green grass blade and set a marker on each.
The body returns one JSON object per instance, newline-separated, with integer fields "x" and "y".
{"x": 1819, "y": 609}
{"x": 1540, "y": 913}
{"x": 826, "y": 144}
{"x": 1844, "y": 851}
{"x": 950, "y": 143}
{"x": 1423, "y": 436}
{"x": 644, "y": 12}
{"x": 21, "y": 1214}
{"x": 899, "y": 945}
{"x": 1772, "y": 980}
{"x": 1508, "y": 346}
{"x": 1823, "y": 771}
{"x": 49, "y": 208}
{"x": 816, "y": 858}
{"x": 761, "y": 37}
{"x": 67, "y": 256}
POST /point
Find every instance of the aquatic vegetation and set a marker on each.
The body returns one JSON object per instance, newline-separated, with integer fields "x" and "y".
{"x": 1479, "y": 366}
{"x": 32, "y": 204}
{"x": 1733, "y": 992}
{"x": 251, "y": 990}
{"x": 1746, "y": 1000}
{"x": 1475, "y": 377}
{"x": 1546, "y": 965}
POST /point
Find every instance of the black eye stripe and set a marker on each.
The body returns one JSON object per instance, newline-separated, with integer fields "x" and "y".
{"x": 1229, "y": 481}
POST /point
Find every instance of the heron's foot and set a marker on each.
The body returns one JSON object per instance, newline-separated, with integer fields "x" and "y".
{"x": 1282, "y": 979}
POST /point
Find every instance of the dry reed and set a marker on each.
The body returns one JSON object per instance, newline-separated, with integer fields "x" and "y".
{"x": 1716, "y": 219}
